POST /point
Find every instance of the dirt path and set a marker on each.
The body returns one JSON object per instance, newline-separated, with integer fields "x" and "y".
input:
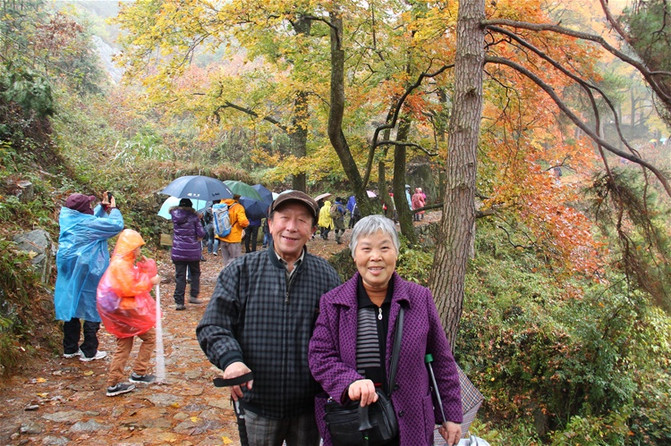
{"x": 62, "y": 401}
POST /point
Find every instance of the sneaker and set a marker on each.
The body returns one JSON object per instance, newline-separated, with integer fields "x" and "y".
{"x": 215, "y": 254}
{"x": 146, "y": 379}
{"x": 119, "y": 388}
{"x": 100, "y": 354}
{"x": 180, "y": 307}
{"x": 195, "y": 301}
{"x": 72, "y": 355}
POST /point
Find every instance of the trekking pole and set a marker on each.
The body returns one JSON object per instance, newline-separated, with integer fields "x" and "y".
{"x": 160, "y": 357}
{"x": 428, "y": 359}
{"x": 239, "y": 411}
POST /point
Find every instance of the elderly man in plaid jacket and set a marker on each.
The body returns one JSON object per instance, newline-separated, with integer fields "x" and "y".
{"x": 258, "y": 324}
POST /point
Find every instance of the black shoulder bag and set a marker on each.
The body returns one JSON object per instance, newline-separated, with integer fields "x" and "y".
{"x": 353, "y": 425}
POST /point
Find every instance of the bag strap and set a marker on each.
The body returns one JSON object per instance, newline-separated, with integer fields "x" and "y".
{"x": 395, "y": 352}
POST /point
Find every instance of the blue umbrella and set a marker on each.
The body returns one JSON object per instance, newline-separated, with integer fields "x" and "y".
{"x": 198, "y": 187}
{"x": 174, "y": 201}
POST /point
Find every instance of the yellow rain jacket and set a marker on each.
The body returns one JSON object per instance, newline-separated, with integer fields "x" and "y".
{"x": 325, "y": 220}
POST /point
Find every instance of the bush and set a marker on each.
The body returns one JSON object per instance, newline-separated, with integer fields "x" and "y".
{"x": 586, "y": 363}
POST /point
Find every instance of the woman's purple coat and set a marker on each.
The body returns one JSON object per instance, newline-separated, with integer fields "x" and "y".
{"x": 332, "y": 358}
{"x": 187, "y": 232}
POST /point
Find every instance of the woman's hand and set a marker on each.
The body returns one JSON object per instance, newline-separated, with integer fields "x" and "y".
{"x": 451, "y": 432}
{"x": 362, "y": 390}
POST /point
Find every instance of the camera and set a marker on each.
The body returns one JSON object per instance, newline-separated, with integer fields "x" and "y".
{"x": 109, "y": 196}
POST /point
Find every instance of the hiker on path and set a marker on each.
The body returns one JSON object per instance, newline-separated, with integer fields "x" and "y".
{"x": 349, "y": 352}
{"x": 259, "y": 321}
{"x": 418, "y": 201}
{"x": 128, "y": 310}
{"x": 351, "y": 207}
{"x": 81, "y": 260}
{"x": 337, "y": 213}
{"x": 231, "y": 245}
{"x": 252, "y": 235}
{"x": 186, "y": 251}
{"x": 325, "y": 221}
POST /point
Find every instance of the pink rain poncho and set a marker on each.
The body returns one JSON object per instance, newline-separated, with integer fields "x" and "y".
{"x": 124, "y": 303}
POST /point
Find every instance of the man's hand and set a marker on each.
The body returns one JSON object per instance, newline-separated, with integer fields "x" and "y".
{"x": 362, "y": 390}
{"x": 234, "y": 370}
{"x": 451, "y": 432}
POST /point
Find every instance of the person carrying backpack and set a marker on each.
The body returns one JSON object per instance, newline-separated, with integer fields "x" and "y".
{"x": 231, "y": 243}
{"x": 337, "y": 213}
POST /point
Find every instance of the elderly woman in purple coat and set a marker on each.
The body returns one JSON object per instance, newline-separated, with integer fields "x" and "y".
{"x": 349, "y": 353}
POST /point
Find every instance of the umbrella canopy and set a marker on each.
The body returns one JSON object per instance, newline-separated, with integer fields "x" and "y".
{"x": 257, "y": 209}
{"x": 266, "y": 196}
{"x": 254, "y": 209}
{"x": 174, "y": 201}
{"x": 371, "y": 194}
{"x": 198, "y": 187}
{"x": 242, "y": 189}
{"x": 322, "y": 196}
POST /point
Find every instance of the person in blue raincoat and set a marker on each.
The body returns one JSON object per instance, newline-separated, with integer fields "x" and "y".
{"x": 81, "y": 260}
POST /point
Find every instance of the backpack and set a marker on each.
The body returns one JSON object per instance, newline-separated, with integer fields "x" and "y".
{"x": 334, "y": 212}
{"x": 221, "y": 219}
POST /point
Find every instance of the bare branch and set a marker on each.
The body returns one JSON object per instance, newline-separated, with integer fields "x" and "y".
{"x": 391, "y": 124}
{"x": 659, "y": 90}
{"x": 405, "y": 144}
{"x": 252, "y": 113}
{"x": 578, "y": 122}
{"x": 580, "y": 81}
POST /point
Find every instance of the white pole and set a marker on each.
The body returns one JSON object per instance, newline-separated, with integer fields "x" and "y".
{"x": 160, "y": 359}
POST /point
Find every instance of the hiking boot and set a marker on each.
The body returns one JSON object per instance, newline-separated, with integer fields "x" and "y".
{"x": 72, "y": 355}
{"x": 180, "y": 307}
{"x": 146, "y": 379}
{"x": 119, "y": 388}
{"x": 195, "y": 301}
{"x": 100, "y": 354}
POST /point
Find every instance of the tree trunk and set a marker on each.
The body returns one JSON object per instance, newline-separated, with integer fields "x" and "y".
{"x": 398, "y": 185}
{"x": 336, "y": 136}
{"x": 457, "y": 225}
{"x": 299, "y": 136}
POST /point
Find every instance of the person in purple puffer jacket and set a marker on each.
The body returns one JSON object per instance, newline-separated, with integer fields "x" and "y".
{"x": 349, "y": 352}
{"x": 186, "y": 250}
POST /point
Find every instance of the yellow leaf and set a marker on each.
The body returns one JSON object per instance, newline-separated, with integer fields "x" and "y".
{"x": 88, "y": 373}
{"x": 194, "y": 419}
{"x": 41, "y": 380}
{"x": 43, "y": 395}
{"x": 226, "y": 440}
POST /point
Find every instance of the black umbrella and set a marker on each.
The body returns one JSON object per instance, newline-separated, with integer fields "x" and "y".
{"x": 198, "y": 187}
{"x": 254, "y": 209}
{"x": 266, "y": 195}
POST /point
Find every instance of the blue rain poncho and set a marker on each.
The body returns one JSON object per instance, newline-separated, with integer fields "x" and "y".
{"x": 82, "y": 259}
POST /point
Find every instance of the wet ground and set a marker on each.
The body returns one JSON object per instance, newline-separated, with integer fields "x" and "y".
{"x": 62, "y": 401}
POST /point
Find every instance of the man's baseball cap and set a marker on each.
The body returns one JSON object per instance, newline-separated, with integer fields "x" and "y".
{"x": 295, "y": 196}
